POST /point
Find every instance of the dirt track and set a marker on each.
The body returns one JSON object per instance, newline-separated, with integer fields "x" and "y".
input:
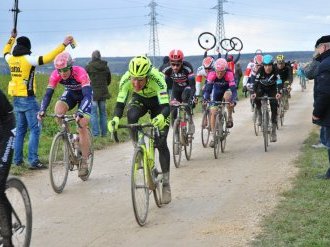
{"x": 214, "y": 202}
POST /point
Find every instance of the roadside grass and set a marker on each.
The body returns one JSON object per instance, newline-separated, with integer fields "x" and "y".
{"x": 302, "y": 217}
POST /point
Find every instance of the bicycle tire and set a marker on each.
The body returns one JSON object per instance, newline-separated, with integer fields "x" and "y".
{"x": 188, "y": 146}
{"x": 22, "y": 216}
{"x": 224, "y": 132}
{"x": 225, "y": 43}
{"x": 157, "y": 192}
{"x": 139, "y": 182}
{"x": 238, "y": 44}
{"x": 205, "y": 131}
{"x": 59, "y": 162}
{"x": 177, "y": 145}
{"x": 90, "y": 156}
{"x": 203, "y": 40}
{"x": 255, "y": 122}
{"x": 216, "y": 137}
{"x": 265, "y": 128}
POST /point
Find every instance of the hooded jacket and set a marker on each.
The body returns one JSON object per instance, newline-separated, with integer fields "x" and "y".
{"x": 100, "y": 76}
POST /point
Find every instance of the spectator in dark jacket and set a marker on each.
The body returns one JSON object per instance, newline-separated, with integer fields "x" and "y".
{"x": 100, "y": 76}
{"x": 321, "y": 112}
{"x": 310, "y": 70}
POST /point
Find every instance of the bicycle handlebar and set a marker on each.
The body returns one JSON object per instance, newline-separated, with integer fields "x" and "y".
{"x": 136, "y": 125}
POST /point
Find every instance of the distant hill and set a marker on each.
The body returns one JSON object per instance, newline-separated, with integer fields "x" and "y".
{"x": 118, "y": 65}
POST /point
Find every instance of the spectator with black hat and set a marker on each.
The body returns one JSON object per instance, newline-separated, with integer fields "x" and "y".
{"x": 321, "y": 112}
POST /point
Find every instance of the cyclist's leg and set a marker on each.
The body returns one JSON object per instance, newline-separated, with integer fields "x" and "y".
{"x": 227, "y": 97}
{"x": 136, "y": 109}
{"x": 187, "y": 96}
{"x": 164, "y": 153}
{"x": 273, "y": 108}
{"x": 176, "y": 95}
{"x": 6, "y": 153}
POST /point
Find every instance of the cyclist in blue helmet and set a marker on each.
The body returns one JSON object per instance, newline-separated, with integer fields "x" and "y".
{"x": 268, "y": 82}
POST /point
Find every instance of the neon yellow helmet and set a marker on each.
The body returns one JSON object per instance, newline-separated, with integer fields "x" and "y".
{"x": 280, "y": 58}
{"x": 139, "y": 66}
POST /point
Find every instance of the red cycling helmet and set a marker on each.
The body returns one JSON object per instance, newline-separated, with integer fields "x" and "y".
{"x": 176, "y": 55}
{"x": 258, "y": 59}
{"x": 208, "y": 62}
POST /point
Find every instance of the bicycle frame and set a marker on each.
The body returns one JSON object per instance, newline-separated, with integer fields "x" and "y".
{"x": 65, "y": 131}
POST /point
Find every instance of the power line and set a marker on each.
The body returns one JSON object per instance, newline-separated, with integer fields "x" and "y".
{"x": 220, "y": 28}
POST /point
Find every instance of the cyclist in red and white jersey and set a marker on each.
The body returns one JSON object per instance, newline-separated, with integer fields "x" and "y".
{"x": 250, "y": 72}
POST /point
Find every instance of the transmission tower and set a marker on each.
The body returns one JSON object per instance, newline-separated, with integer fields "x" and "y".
{"x": 154, "y": 51}
{"x": 220, "y": 29}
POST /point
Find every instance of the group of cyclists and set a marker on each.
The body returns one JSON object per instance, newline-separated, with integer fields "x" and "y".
{"x": 148, "y": 87}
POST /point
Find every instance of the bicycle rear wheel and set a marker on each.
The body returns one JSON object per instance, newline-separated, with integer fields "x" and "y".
{"x": 90, "y": 156}
{"x": 188, "y": 146}
{"x": 224, "y": 131}
{"x": 205, "y": 132}
{"x": 139, "y": 188}
{"x": 216, "y": 137}
{"x": 59, "y": 162}
{"x": 22, "y": 212}
{"x": 177, "y": 145}
{"x": 265, "y": 128}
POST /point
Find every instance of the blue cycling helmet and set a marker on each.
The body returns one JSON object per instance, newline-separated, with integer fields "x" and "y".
{"x": 268, "y": 59}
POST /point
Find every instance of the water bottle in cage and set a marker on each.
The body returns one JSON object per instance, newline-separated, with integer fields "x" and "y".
{"x": 76, "y": 147}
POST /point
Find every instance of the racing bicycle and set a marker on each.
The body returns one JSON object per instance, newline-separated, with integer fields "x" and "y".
{"x": 146, "y": 174}
{"x": 65, "y": 154}
{"x": 182, "y": 139}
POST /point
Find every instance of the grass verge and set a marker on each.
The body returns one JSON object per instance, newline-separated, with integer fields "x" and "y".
{"x": 302, "y": 217}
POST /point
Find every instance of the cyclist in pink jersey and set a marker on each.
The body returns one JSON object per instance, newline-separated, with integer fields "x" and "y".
{"x": 78, "y": 91}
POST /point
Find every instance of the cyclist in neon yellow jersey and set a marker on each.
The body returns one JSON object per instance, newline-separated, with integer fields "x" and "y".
{"x": 149, "y": 94}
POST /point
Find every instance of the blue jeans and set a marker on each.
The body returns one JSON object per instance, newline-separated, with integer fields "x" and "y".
{"x": 325, "y": 136}
{"x": 26, "y": 109}
{"x": 99, "y": 106}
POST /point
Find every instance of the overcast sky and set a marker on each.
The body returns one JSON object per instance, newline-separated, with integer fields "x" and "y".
{"x": 119, "y": 28}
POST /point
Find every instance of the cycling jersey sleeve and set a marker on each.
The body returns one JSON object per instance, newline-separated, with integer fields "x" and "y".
{"x": 7, "y": 48}
{"x": 46, "y": 99}
{"x": 192, "y": 84}
{"x": 122, "y": 95}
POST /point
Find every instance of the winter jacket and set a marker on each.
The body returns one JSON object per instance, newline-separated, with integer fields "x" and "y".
{"x": 100, "y": 76}
{"x": 322, "y": 91}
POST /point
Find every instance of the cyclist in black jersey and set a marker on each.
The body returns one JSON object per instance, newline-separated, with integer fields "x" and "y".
{"x": 184, "y": 86}
{"x": 7, "y": 137}
{"x": 285, "y": 71}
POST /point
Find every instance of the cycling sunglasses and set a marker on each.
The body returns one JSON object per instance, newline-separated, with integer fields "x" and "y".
{"x": 63, "y": 70}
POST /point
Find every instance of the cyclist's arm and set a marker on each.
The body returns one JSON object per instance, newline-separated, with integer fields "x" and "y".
{"x": 192, "y": 84}
{"x": 208, "y": 90}
{"x": 229, "y": 77}
{"x": 52, "y": 83}
{"x": 205, "y": 53}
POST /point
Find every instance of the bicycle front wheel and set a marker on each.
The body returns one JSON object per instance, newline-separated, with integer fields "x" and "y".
{"x": 223, "y": 131}
{"x": 265, "y": 128}
{"x": 216, "y": 137}
{"x": 139, "y": 188}
{"x": 90, "y": 156}
{"x": 177, "y": 145}
{"x": 22, "y": 212}
{"x": 205, "y": 132}
{"x": 59, "y": 162}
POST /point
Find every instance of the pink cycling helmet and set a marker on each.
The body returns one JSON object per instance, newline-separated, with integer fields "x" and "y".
{"x": 208, "y": 62}
{"x": 258, "y": 59}
{"x": 63, "y": 60}
{"x": 220, "y": 64}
